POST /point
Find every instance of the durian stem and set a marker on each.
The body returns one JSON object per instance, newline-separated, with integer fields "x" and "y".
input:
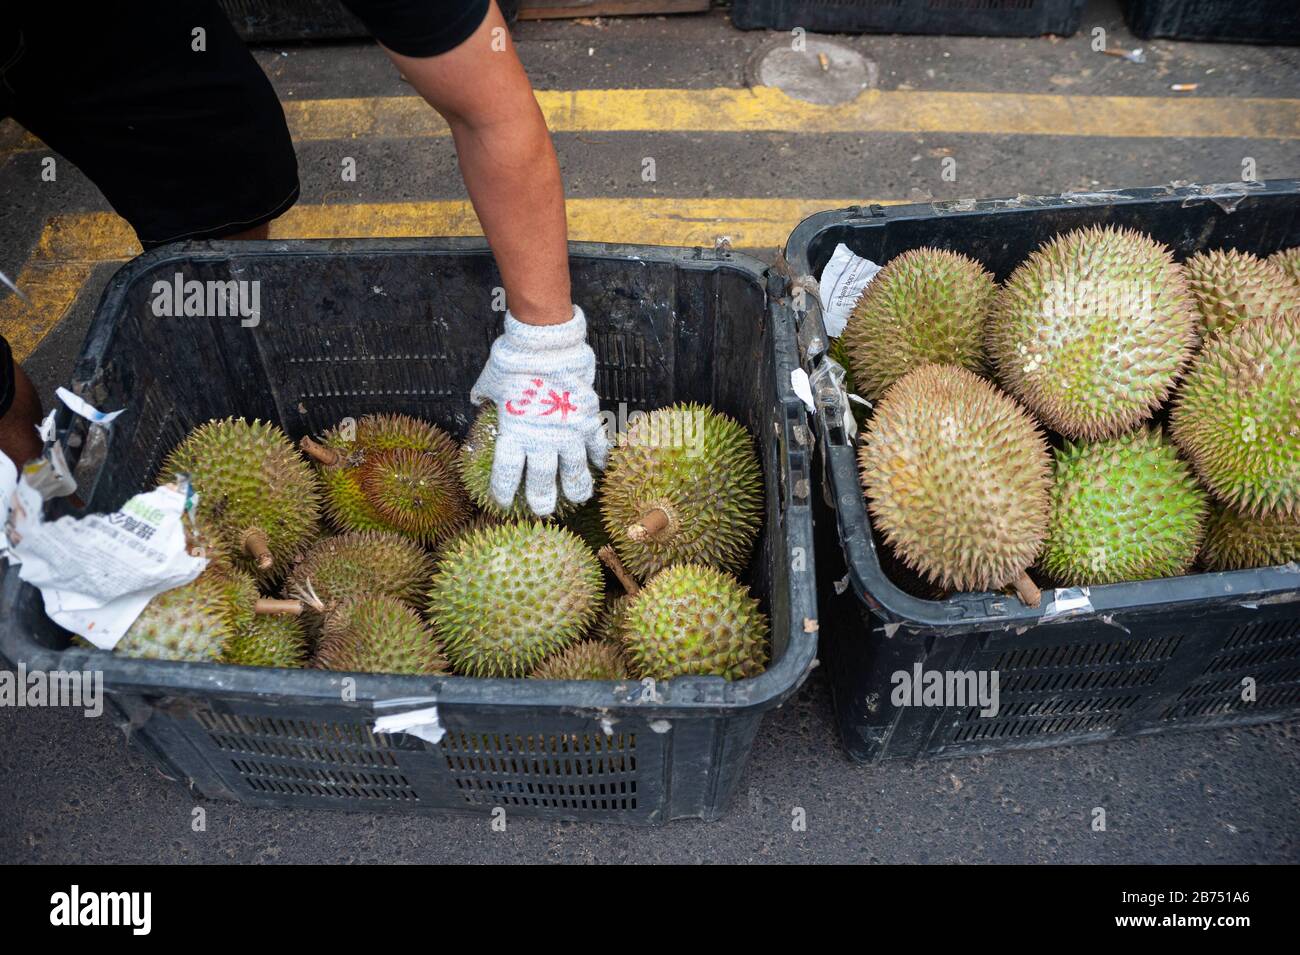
{"x": 321, "y": 454}
{"x": 652, "y": 523}
{"x": 256, "y": 547}
{"x": 1027, "y": 590}
{"x": 610, "y": 560}
{"x": 270, "y": 605}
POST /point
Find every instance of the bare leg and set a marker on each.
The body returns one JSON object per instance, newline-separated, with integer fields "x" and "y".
{"x": 18, "y": 438}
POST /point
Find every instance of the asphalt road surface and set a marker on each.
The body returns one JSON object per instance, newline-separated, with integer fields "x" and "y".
{"x": 71, "y": 790}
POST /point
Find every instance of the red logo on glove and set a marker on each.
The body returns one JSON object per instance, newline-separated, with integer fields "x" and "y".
{"x": 553, "y": 402}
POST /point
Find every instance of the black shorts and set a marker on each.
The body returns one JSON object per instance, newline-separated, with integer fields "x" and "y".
{"x": 184, "y": 143}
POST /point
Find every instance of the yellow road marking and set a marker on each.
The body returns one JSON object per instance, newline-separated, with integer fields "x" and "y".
{"x": 71, "y": 246}
{"x": 767, "y": 109}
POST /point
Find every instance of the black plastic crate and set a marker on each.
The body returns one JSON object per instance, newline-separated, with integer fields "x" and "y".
{"x": 357, "y": 326}
{"x": 298, "y": 21}
{"x": 956, "y": 17}
{"x": 1140, "y": 657}
{"x": 1245, "y": 21}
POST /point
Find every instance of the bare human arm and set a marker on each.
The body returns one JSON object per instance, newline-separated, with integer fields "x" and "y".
{"x": 508, "y": 163}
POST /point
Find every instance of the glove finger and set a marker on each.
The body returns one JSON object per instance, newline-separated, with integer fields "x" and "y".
{"x": 598, "y": 445}
{"x": 575, "y": 476}
{"x": 507, "y": 469}
{"x": 539, "y": 482}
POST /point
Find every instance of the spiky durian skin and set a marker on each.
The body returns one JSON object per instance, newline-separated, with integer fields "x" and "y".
{"x": 1124, "y": 508}
{"x": 248, "y": 476}
{"x": 474, "y": 464}
{"x": 1236, "y": 541}
{"x": 694, "y": 620}
{"x": 415, "y": 493}
{"x": 186, "y": 623}
{"x": 957, "y": 477}
{"x": 504, "y": 598}
{"x": 271, "y": 640}
{"x": 926, "y": 306}
{"x": 374, "y": 436}
{"x": 378, "y": 634}
{"x": 588, "y": 660}
{"x": 1231, "y": 287}
{"x": 1237, "y": 416}
{"x": 1092, "y": 330}
{"x": 1288, "y": 260}
{"x": 609, "y": 620}
{"x": 699, "y": 464}
{"x": 358, "y": 564}
{"x": 587, "y": 523}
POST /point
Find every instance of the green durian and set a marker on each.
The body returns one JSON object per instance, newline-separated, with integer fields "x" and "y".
{"x": 1288, "y": 260}
{"x": 270, "y": 640}
{"x": 378, "y": 634}
{"x": 588, "y": 660}
{"x": 357, "y": 564}
{"x": 1236, "y": 541}
{"x": 393, "y": 473}
{"x": 1231, "y": 287}
{"x": 1092, "y": 331}
{"x": 694, "y": 620}
{"x": 187, "y": 623}
{"x": 957, "y": 478}
{"x": 254, "y": 492}
{"x": 1237, "y": 416}
{"x": 683, "y": 484}
{"x": 926, "y": 306}
{"x": 504, "y": 598}
{"x": 1123, "y": 508}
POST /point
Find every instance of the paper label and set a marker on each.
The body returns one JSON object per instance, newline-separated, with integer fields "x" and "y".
{"x": 842, "y": 282}
{"x": 422, "y": 723}
{"x": 97, "y": 573}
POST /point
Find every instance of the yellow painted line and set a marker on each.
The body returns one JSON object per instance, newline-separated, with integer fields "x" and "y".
{"x": 71, "y": 246}
{"x": 767, "y": 109}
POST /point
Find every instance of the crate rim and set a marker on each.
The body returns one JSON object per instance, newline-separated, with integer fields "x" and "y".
{"x": 684, "y": 696}
{"x": 969, "y": 612}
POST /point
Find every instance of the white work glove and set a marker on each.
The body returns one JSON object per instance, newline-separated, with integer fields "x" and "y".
{"x": 540, "y": 377}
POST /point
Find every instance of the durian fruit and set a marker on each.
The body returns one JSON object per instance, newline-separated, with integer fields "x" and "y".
{"x": 1237, "y": 416}
{"x": 1092, "y": 330}
{"x": 588, "y": 660}
{"x": 378, "y": 634}
{"x": 609, "y": 620}
{"x": 1236, "y": 541}
{"x": 1288, "y": 260}
{"x": 694, "y": 620}
{"x": 926, "y": 306}
{"x": 254, "y": 492}
{"x": 358, "y": 564}
{"x": 1231, "y": 287}
{"x": 270, "y": 640}
{"x": 504, "y": 598}
{"x": 683, "y": 484}
{"x": 390, "y": 472}
{"x": 187, "y": 623}
{"x": 957, "y": 477}
{"x": 586, "y": 522}
{"x": 1124, "y": 508}
{"x": 474, "y": 464}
